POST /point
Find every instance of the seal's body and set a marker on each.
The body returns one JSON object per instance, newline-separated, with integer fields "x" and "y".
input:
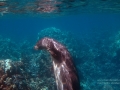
{"x": 64, "y": 70}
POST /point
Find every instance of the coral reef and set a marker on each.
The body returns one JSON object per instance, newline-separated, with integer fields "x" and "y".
{"x": 12, "y": 76}
{"x": 8, "y": 49}
{"x": 42, "y": 73}
{"x": 15, "y": 76}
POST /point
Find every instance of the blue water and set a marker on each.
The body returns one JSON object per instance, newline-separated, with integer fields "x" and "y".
{"x": 96, "y": 31}
{"x": 28, "y": 27}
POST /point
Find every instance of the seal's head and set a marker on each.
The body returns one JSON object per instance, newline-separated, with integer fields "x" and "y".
{"x": 42, "y": 44}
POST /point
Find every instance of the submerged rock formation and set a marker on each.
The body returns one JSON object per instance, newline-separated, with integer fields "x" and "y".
{"x": 12, "y": 76}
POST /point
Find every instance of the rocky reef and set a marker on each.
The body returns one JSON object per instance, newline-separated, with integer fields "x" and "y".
{"x": 12, "y": 76}
{"x": 17, "y": 75}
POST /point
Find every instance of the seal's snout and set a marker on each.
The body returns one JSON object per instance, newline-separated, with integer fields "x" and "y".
{"x": 36, "y": 47}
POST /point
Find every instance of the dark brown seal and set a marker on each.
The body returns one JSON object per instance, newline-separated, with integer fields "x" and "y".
{"x": 64, "y": 69}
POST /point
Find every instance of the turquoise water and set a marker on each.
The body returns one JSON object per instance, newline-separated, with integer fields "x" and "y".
{"x": 91, "y": 35}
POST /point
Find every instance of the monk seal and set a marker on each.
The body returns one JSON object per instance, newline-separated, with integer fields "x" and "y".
{"x": 64, "y": 70}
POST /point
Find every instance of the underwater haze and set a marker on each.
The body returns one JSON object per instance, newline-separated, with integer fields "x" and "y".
{"x": 90, "y": 30}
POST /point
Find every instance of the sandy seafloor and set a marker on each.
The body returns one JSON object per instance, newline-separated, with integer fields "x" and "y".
{"x": 92, "y": 39}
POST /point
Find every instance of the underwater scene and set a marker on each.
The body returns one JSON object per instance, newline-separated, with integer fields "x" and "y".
{"x": 59, "y": 44}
